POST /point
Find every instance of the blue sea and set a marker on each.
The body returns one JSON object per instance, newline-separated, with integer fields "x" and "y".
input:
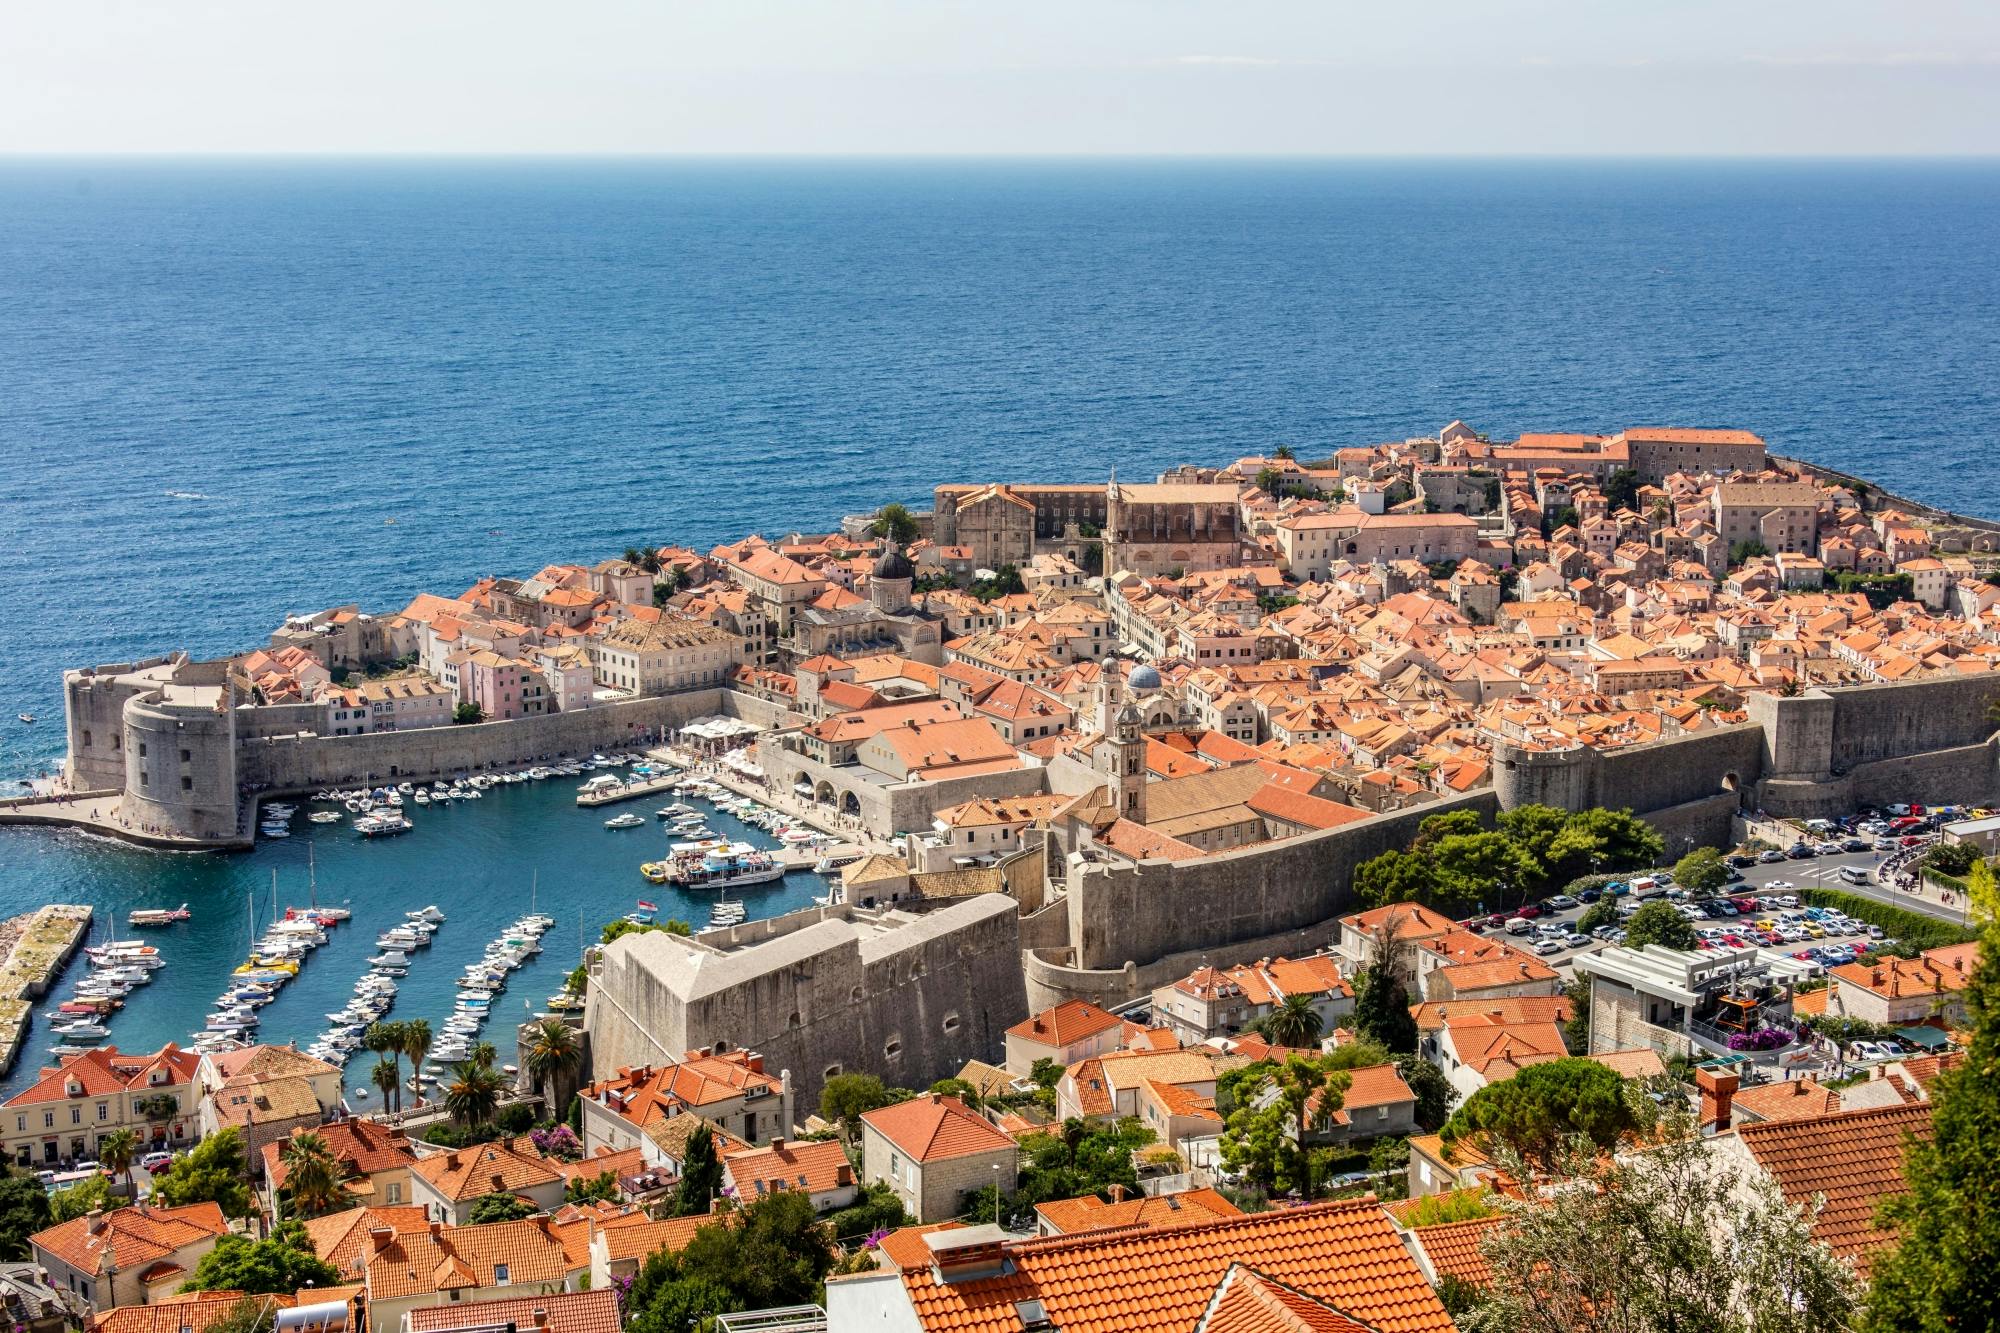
{"x": 235, "y": 389}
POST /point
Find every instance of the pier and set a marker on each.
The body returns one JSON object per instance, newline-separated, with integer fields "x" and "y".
{"x": 630, "y": 791}
{"x": 39, "y": 945}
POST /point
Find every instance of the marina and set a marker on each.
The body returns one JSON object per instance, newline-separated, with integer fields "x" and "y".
{"x": 478, "y": 860}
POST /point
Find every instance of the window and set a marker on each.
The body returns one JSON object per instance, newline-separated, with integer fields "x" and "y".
{"x": 76, "y": 1115}
{"x": 103, "y": 1110}
{"x": 831, "y": 1071}
{"x": 500, "y": 1275}
{"x": 142, "y": 749}
{"x": 892, "y": 1048}
{"x": 48, "y": 1120}
{"x": 187, "y": 784}
{"x": 951, "y": 1023}
{"x": 187, "y": 756}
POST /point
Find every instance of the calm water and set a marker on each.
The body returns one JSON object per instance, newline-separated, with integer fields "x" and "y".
{"x": 482, "y": 862}
{"x": 233, "y": 390}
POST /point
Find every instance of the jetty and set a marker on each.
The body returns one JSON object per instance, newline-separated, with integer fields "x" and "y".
{"x": 38, "y": 944}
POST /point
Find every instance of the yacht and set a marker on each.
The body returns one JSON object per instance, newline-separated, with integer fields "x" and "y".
{"x": 159, "y": 916}
{"x": 626, "y": 820}
{"x": 429, "y": 913}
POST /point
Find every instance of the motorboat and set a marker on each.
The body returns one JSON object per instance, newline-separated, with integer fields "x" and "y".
{"x": 429, "y": 913}
{"x": 382, "y": 825}
{"x": 626, "y": 820}
{"x": 725, "y": 867}
{"x": 324, "y": 816}
{"x": 676, "y": 811}
{"x": 390, "y": 958}
{"x": 81, "y": 1031}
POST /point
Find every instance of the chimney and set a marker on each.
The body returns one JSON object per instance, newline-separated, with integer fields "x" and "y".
{"x": 1718, "y": 1093}
{"x": 541, "y": 1318}
{"x": 380, "y": 1238}
{"x": 437, "y": 1229}
{"x": 1117, "y": 1193}
{"x": 95, "y": 1217}
{"x": 777, "y": 1143}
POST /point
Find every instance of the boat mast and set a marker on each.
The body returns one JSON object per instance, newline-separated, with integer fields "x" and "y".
{"x": 312, "y": 876}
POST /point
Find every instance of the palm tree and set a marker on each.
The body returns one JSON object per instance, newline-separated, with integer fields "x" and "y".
{"x": 1294, "y": 1023}
{"x": 416, "y": 1044}
{"x": 484, "y": 1054}
{"x": 385, "y": 1040}
{"x": 312, "y": 1174}
{"x": 116, "y": 1151}
{"x": 553, "y": 1051}
{"x": 473, "y": 1094}
{"x": 384, "y": 1076}
{"x": 1074, "y": 1131}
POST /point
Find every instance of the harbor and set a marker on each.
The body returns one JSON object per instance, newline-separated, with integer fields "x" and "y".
{"x": 39, "y": 946}
{"x": 485, "y": 864}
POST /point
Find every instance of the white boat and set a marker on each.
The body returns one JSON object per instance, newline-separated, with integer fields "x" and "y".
{"x": 390, "y": 958}
{"x": 626, "y": 820}
{"x": 275, "y": 832}
{"x": 93, "y": 1031}
{"x": 429, "y": 913}
{"x": 159, "y": 916}
{"x": 324, "y": 817}
{"x": 382, "y": 825}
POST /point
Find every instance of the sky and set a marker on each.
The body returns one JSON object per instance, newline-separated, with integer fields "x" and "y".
{"x": 1332, "y": 77}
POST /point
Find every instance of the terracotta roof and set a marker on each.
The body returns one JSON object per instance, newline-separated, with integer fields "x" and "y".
{"x": 130, "y": 1237}
{"x": 654, "y": 1092}
{"x": 108, "y": 1071}
{"x": 1853, "y": 1158}
{"x": 1163, "y": 1280}
{"x": 1431, "y": 1014}
{"x": 567, "y": 1312}
{"x": 1413, "y": 921}
{"x": 340, "y": 1238}
{"x": 1068, "y": 1217}
{"x": 1249, "y": 1302}
{"x": 814, "y": 1166}
{"x": 1453, "y": 1248}
{"x": 927, "y": 1129}
{"x": 362, "y": 1147}
{"x": 1793, "y": 1099}
{"x": 1066, "y": 1024}
{"x": 195, "y": 1312}
{"x": 489, "y": 1168}
{"x": 643, "y": 1241}
{"x": 445, "y": 1258}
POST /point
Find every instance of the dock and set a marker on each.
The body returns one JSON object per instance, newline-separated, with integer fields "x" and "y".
{"x": 39, "y": 945}
{"x": 631, "y": 791}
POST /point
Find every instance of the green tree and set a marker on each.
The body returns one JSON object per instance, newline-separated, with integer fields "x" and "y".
{"x": 1394, "y": 877}
{"x": 80, "y": 1198}
{"x": 1293, "y": 1023}
{"x": 877, "y": 1209}
{"x": 502, "y": 1208}
{"x": 1661, "y": 1241}
{"x": 1480, "y": 868}
{"x": 774, "y": 1252}
{"x": 1941, "y": 1273}
{"x": 280, "y": 1264}
{"x": 618, "y": 929}
{"x": 956, "y": 1087}
{"x": 1603, "y": 912}
{"x": 1744, "y": 552}
{"x": 1660, "y": 923}
{"x": 1952, "y": 858}
{"x": 701, "y": 1174}
{"x": 213, "y": 1171}
{"x": 384, "y": 1074}
{"x": 1433, "y": 1091}
{"x": 1616, "y": 839}
{"x": 24, "y": 1210}
{"x": 312, "y": 1176}
{"x": 1621, "y": 490}
{"x": 1702, "y": 872}
{"x": 473, "y": 1094}
{"x": 1382, "y": 1009}
{"x": 894, "y": 522}
{"x": 1576, "y": 1029}
{"x": 1534, "y": 828}
{"x": 414, "y": 1040}
{"x": 386, "y": 1039}
{"x": 466, "y": 714}
{"x": 1277, "y": 1107}
{"x": 116, "y": 1151}
{"x": 845, "y": 1098}
{"x": 1451, "y": 823}
{"x": 1538, "y": 1110}
{"x": 553, "y": 1055}
{"x": 601, "y": 1188}
{"x": 1269, "y": 480}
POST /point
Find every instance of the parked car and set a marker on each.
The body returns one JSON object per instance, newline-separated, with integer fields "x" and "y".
{"x": 1576, "y": 941}
{"x": 1589, "y": 895}
{"x": 1854, "y": 845}
{"x": 1546, "y": 947}
{"x": 1874, "y": 932}
{"x": 1770, "y": 856}
{"x": 154, "y": 1161}
{"x": 1799, "y": 851}
{"x": 1562, "y": 902}
{"x": 1529, "y": 913}
{"x": 1886, "y": 843}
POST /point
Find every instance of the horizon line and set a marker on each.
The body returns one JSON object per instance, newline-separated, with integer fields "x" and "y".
{"x": 1025, "y": 155}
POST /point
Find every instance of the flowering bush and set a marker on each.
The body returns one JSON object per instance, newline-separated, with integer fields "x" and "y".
{"x": 560, "y": 1142}
{"x": 1763, "y": 1039}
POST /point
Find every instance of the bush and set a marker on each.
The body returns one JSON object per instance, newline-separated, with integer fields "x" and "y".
{"x": 516, "y": 1118}
{"x": 1763, "y": 1039}
{"x": 1912, "y": 928}
{"x": 1951, "y": 858}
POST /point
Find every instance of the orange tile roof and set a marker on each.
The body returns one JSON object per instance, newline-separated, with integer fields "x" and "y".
{"x": 656, "y": 1092}
{"x": 1935, "y": 972}
{"x": 1432, "y": 1014}
{"x": 362, "y": 1147}
{"x": 1162, "y": 1280}
{"x": 1853, "y": 1158}
{"x": 489, "y": 1168}
{"x": 1066, "y": 1024}
{"x": 1249, "y": 1302}
{"x": 1453, "y": 1248}
{"x": 567, "y": 1312}
{"x": 108, "y": 1071}
{"x": 1794, "y": 1099}
{"x": 195, "y": 1312}
{"x": 814, "y": 1166}
{"x": 1068, "y": 1217}
{"x": 645, "y": 1240}
{"x": 444, "y": 1258}
{"x": 341, "y": 1238}
{"x": 1413, "y": 921}
{"x": 129, "y": 1238}
{"x": 927, "y": 1129}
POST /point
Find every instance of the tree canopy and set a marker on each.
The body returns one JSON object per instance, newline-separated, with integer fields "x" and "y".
{"x": 1274, "y": 1109}
{"x": 1660, "y": 923}
{"x": 500, "y": 1208}
{"x": 1452, "y": 863}
{"x": 895, "y": 522}
{"x": 212, "y": 1171}
{"x": 281, "y": 1263}
{"x": 847, "y": 1097}
{"x": 773, "y": 1252}
{"x": 701, "y": 1174}
{"x": 24, "y": 1210}
{"x": 1941, "y": 1274}
{"x": 1538, "y": 1110}
{"x": 1702, "y": 872}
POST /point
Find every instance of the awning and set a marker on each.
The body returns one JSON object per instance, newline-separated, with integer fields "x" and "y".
{"x": 1929, "y": 1038}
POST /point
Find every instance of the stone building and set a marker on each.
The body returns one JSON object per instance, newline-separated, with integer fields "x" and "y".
{"x": 1159, "y": 528}
{"x": 910, "y": 997}
{"x": 933, "y": 1152}
{"x": 646, "y": 657}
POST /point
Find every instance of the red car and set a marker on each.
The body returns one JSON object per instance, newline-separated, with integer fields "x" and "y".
{"x": 1497, "y": 920}
{"x": 1745, "y": 903}
{"x": 1530, "y": 912}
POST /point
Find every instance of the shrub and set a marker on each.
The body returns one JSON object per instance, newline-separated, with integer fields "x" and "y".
{"x": 1913, "y": 928}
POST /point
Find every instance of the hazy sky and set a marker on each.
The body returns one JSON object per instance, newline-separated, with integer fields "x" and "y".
{"x": 1003, "y": 76}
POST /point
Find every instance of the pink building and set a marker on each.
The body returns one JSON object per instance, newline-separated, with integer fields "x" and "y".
{"x": 502, "y": 687}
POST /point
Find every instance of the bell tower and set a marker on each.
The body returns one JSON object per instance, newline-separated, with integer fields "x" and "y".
{"x": 1121, "y": 749}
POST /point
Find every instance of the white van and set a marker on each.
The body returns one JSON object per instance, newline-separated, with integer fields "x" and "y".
{"x": 1855, "y": 874}
{"x": 1519, "y": 925}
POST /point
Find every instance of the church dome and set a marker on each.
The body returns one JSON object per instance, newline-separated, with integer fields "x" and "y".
{"x": 1143, "y": 677}
{"x": 894, "y": 565}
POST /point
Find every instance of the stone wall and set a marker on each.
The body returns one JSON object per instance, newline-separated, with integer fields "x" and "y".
{"x": 1051, "y": 979}
{"x": 1648, "y": 777}
{"x": 1157, "y": 908}
{"x": 908, "y": 998}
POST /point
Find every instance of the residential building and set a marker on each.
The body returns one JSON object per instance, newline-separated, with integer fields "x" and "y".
{"x": 1219, "y": 1002}
{"x": 649, "y": 657}
{"x": 1904, "y": 992}
{"x": 373, "y": 1161}
{"x": 71, "y": 1109}
{"x": 1069, "y": 1032}
{"x": 1074, "y": 1217}
{"x": 932, "y": 1152}
{"x": 449, "y": 1185}
{"x": 266, "y": 1092}
{"x": 401, "y": 1271}
{"x": 129, "y": 1256}
{"x": 819, "y": 1168}
{"x": 729, "y": 1089}
{"x": 592, "y": 1311}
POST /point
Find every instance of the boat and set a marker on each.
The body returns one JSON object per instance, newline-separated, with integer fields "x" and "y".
{"x": 86, "y": 1029}
{"x": 28, "y": 718}
{"x": 724, "y": 867}
{"x": 382, "y": 825}
{"x": 626, "y": 820}
{"x": 275, "y": 831}
{"x": 159, "y": 916}
{"x": 429, "y": 913}
{"x": 676, "y": 811}
{"x": 655, "y": 871}
{"x": 324, "y": 817}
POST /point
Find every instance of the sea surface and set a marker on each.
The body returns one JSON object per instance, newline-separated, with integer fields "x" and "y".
{"x": 230, "y": 390}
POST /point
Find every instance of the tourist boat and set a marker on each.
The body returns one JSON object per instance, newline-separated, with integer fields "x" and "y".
{"x": 382, "y": 825}
{"x": 159, "y": 916}
{"x": 626, "y": 820}
{"x": 82, "y": 1030}
{"x": 725, "y": 867}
